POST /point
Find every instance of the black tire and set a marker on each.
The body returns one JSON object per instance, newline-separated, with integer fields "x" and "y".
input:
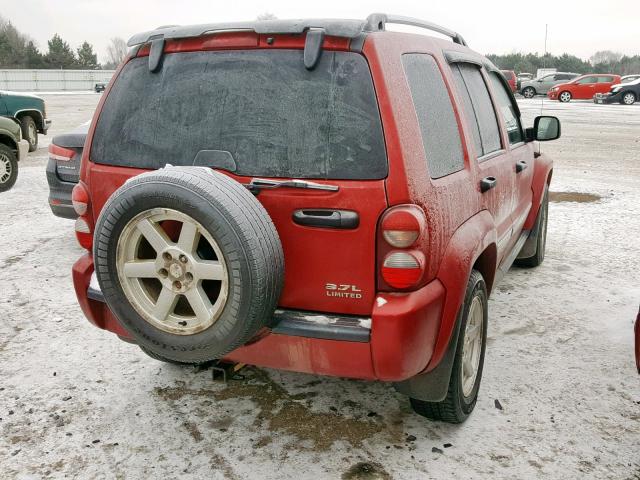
{"x": 632, "y": 98}
{"x": 456, "y": 407}
{"x": 9, "y": 162}
{"x": 528, "y": 92}
{"x": 160, "y": 358}
{"x": 29, "y": 132}
{"x": 245, "y": 235}
{"x": 541, "y": 240}
{"x": 568, "y": 98}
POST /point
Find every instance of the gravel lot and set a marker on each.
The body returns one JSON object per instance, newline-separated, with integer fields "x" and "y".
{"x": 76, "y": 402}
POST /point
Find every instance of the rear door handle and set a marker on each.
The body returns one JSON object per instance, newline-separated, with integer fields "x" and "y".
{"x": 487, "y": 183}
{"x": 521, "y": 165}
{"x": 327, "y": 218}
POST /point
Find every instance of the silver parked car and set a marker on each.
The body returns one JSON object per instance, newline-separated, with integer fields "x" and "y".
{"x": 540, "y": 86}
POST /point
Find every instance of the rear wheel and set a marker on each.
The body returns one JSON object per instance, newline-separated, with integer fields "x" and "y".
{"x": 629, "y": 98}
{"x": 29, "y": 132}
{"x": 466, "y": 374}
{"x": 529, "y": 92}
{"x": 564, "y": 97}
{"x": 8, "y": 168}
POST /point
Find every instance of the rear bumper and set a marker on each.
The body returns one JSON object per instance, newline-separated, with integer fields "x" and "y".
{"x": 46, "y": 125}
{"x": 394, "y": 344}
{"x": 59, "y": 193}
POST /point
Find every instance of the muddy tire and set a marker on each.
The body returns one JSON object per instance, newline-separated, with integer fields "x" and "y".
{"x": 8, "y": 168}
{"x": 160, "y": 358}
{"x": 189, "y": 262}
{"x": 466, "y": 374}
{"x": 541, "y": 239}
{"x": 29, "y": 132}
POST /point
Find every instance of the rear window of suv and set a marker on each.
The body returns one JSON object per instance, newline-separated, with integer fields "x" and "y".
{"x": 272, "y": 115}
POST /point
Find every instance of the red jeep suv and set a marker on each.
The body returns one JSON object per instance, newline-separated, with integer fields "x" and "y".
{"x": 322, "y": 196}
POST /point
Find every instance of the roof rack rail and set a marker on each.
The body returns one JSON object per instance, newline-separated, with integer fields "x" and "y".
{"x": 332, "y": 27}
{"x": 376, "y": 22}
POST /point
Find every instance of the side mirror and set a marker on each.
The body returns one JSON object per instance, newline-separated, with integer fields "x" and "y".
{"x": 544, "y": 129}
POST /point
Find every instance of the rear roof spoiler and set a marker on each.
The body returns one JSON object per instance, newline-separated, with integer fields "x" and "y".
{"x": 375, "y": 22}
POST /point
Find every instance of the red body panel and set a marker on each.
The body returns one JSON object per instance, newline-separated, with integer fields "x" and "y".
{"x": 583, "y": 91}
{"x": 410, "y": 331}
{"x": 637, "y": 331}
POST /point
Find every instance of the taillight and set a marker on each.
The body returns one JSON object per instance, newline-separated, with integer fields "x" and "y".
{"x": 80, "y": 200}
{"x": 402, "y": 269}
{"x": 404, "y": 230}
{"x": 401, "y": 227}
{"x": 60, "y": 153}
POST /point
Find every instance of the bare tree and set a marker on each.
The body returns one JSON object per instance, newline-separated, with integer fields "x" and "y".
{"x": 266, "y": 16}
{"x": 116, "y": 51}
{"x": 605, "y": 56}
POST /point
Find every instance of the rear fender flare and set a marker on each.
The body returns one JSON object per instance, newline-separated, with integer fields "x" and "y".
{"x": 543, "y": 169}
{"x": 476, "y": 236}
{"x": 469, "y": 241}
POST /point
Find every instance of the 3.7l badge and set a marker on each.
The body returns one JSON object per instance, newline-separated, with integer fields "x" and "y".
{"x": 343, "y": 290}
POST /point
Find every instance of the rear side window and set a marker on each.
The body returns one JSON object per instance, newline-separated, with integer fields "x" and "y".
{"x": 272, "y": 115}
{"x": 438, "y": 125}
{"x": 587, "y": 80}
{"x": 511, "y": 120}
{"x": 482, "y": 116}
{"x": 605, "y": 79}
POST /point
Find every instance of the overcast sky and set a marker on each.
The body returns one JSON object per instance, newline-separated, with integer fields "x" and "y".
{"x": 489, "y": 26}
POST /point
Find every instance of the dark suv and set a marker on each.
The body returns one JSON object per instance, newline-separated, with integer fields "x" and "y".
{"x": 322, "y": 196}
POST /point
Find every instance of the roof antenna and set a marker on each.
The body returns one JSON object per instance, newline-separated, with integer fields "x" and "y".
{"x": 313, "y": 47}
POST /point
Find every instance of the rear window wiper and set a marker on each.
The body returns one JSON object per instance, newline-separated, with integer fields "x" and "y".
{"x": 258, "y": 184}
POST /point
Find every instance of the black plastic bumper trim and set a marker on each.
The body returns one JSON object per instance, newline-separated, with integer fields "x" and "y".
{"x": 298, "y": 323}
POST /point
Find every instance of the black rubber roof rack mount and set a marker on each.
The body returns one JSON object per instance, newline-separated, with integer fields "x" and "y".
{"x": 313, "y": 47}
{"x": 155, "y": 55}
{"x": 377, "y": 21}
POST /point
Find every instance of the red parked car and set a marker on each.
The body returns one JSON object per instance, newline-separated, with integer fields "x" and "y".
{"x": 584, "y": 87}
{"x": 319, "y": 196}
{"x": 512, "y": 79}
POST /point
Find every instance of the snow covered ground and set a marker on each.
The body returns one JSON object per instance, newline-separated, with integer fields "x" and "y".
{"x": 76, "y": 402}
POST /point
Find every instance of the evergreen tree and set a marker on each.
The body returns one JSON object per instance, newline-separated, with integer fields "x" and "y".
{"x": 60, "y": 54}
{"x": 86, "y": 57}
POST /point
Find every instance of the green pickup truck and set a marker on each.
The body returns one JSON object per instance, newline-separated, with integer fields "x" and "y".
{"x": 29, "y": 111}
{"x": 12, "y": 149}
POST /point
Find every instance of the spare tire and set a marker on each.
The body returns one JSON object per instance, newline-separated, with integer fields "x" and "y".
{"x": 189, "y": 262}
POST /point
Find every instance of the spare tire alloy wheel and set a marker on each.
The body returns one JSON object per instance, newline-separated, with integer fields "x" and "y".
{"x": 154, "y": 286}
{"x": 189, "y": 262}
{"x": 8, "y": 168}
